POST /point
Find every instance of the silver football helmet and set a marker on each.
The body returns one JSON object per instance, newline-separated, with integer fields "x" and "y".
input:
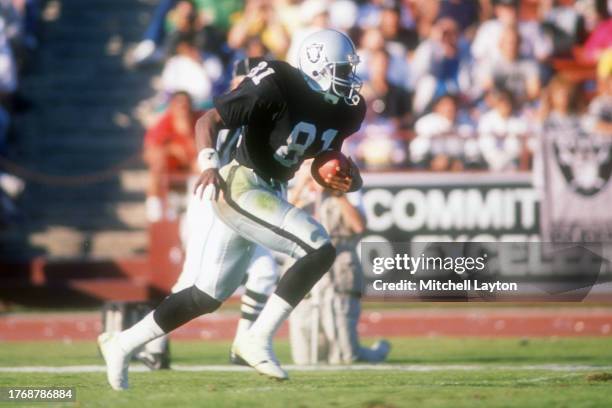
{"x": 328, "y": 60}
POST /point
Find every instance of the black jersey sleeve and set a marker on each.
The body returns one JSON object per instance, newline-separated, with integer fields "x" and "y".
{"x": 254, "y": 99}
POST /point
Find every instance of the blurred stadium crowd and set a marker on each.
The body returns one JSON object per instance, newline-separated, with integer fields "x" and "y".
{"x": 19, "y": 31}
{"x": 450, "y": 85}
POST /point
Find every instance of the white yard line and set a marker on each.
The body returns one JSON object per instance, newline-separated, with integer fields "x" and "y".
{"x": 354, "y": 367}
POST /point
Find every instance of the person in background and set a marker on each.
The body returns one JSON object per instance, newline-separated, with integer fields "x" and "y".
{"x": 399, "y": 39}
{"x": 517, "y": 74}
{"x": 211, "y": 15}
{"x": 389, "y": 101}
{"x": 562, "y": 104}
{"x": 378, "y": 145}
{"x": 599, "y": 39}
{"x": 501, "y": 134}
{"x": 561, "y": 115}
{"x": 485, "y": 47}
{"x": 184, "y": 23}
{"x": 444, "y": 139}
{"x": 465, "y": 13}
{"x": 259, "y": 19}
{"x": 564, "y": 24}
{"x": 343, "y": 15}
{"x": 187, "y": 72}
{"x": 169, "y": 147}
{"x": 440, "y": 65}
{"x": 332, "y": 309}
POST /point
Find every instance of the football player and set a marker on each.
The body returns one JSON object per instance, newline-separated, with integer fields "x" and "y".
{"x": 262, "y": 272}
{"x": 287, "y": 115}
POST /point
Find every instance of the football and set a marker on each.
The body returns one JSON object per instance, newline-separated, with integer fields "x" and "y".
{"x": 327, "y": 164}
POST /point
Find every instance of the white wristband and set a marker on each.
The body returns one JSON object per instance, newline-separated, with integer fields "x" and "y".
{"x": 208, "y": 158}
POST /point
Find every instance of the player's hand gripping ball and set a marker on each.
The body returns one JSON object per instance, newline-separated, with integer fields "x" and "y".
{"x": 333, "y": 170}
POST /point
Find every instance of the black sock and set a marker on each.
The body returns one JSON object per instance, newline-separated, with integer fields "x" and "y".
{"x": 181, "y": 307}
{"x": 302, "y": 276}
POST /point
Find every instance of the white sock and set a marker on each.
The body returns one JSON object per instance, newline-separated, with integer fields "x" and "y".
{"x": 243, "y": 326}
{"x": 140, "y": 334}
{"x": 274, "y": 313}
{"x": 158, "y": 345}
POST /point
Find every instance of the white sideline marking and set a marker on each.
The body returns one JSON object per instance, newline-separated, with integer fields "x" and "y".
{"x": 354, "y": 367}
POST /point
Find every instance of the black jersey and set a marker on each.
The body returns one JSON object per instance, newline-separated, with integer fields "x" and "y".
{"x": 284, "y": 121}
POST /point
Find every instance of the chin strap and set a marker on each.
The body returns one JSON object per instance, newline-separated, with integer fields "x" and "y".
{"x": 353, "y": 100}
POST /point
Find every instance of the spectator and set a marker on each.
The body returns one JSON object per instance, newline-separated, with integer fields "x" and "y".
{"x": 211, "y": 16}
{"x": 565, "y": 25}
{"x": 259, "y": 19}
{"x": 184, "y": 23}
{"x": 464, "y": 13}
{"x": 440, "y": 65}
{"x": 398, "y": 39}
{"x": 288, "y": 12}
{"x": 343, "y": 15}
{"x": 169, "y": 147}
{"x": 255, "y": 48}
{"x": 518, "y": 75}
{"x": 378, "y": 146}
{"x": 336, "y": 299}
{"x": 388, "y": 101}
{"x": 561, "y": 104}
{"x": 485, "y": 46}
{"x": 186, "y": 72}
{"x": 368, "y": 15}
{"x": 500, "y": 133}
{"x": 600, "y": 39}
{"x": 444, "y": 139}
{"x": 423, "y": 14}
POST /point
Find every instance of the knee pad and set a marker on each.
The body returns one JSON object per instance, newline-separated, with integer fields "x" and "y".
{"x": 301, "y": 277}
{"x": 181, "y": 307}
{"x": 202, "y": 302}
{"x": 326, "y": 254}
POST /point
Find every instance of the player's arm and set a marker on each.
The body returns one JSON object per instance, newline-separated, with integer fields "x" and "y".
{"x": 210, "y": 183}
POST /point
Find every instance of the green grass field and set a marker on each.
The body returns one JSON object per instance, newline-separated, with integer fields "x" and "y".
{"x": 455, "y": 372}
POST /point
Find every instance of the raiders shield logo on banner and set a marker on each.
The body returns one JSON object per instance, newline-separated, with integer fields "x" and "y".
{"x": 584, "y": 161}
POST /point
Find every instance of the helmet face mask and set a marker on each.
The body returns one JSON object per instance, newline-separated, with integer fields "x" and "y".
{"x": 345, "y": 83}
{"x": 328, "y": 61}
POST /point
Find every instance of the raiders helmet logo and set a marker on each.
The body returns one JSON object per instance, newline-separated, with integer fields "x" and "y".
{"x": 585, "y": 161}
{"x": 314, "y": 52}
